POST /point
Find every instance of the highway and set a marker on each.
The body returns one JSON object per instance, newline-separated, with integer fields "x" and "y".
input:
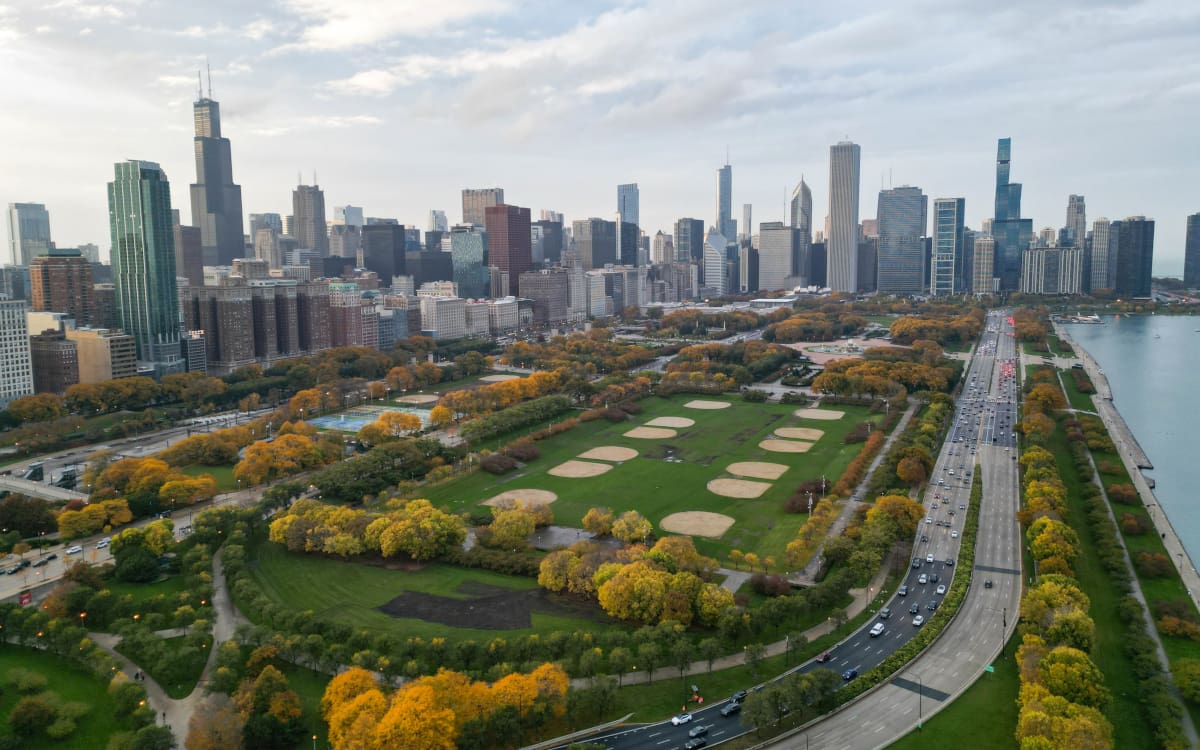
{"x": 981, "y": 438}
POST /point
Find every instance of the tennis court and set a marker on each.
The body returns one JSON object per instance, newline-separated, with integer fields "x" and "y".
{"x": 355, "y": 418}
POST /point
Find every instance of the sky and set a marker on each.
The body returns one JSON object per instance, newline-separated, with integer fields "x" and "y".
{"x": 397, "y": 105}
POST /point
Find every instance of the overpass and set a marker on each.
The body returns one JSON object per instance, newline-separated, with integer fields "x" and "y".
{"x": 38, "y": 489}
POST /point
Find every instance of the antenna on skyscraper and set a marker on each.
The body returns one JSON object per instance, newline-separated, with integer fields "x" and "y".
{"x": 299, "y": 178}
{"x": 209, "y": 69}
{"x": 315, "y": 183}
{"x": 199, "y": 85}
{"x": 726, "y": 153}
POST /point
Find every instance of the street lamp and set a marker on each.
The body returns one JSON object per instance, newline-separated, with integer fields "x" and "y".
{"x": 920, "y": 698}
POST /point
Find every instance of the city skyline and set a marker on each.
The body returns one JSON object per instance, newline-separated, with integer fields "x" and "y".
{"x": 432, "y": 114}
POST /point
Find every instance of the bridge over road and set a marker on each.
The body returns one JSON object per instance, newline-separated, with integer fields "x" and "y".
{"x": 38, "y": 489}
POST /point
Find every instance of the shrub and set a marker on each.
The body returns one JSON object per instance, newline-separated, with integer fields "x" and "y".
{"x": 615, "y": 414}
{"x": 1132, "y": 525}
{"x": 1108, "y": 467}
{"x": 497, "y": 463}
{"x": 630, "y": 407}
{"x": 1177, "y": 627}
{"x": 523, "y": 450}
{"x": 1123, "y": 493}
{"x": 31, "y": 714}
{"x": 1177, "y": 608}
{"x": 26, "y": 681}
{"x": 1153, "y": 564}
{"x": 770, "y": 585}
{"x": 755, "y": 396}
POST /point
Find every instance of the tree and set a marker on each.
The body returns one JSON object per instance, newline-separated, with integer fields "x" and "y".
{"x": 1187, "y": 677}
{"x": 681, "y": 655}
{"x": 41, "y": 407}
{"x": 391, "y": 425}
{"x": 755, "y": 653}
{"x": 631, "y": 527}
{"x": 215, "y": 725}
{"x": 599, "y": 521}
{"x": 911, "y": 471}
{"x": 650, "y": 655}
{"x": 416, "y": 720}
{"x": 710, "y": 649}
{"x": 29, "y": 516}
{"x": 345, "y": 687}
{"x": 620, "y": 659}
{"x": 154, "y": 737}
{"x": 510, "y": 529}
{"x": 440, "y": 417}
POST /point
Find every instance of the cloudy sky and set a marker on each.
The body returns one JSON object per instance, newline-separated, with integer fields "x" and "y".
{"x": 399, "y": 104}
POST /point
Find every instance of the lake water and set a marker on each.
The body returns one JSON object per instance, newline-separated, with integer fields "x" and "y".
{"x": 1152, "y": 363}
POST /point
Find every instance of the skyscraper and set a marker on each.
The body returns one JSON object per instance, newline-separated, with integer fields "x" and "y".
{"x": 348, "y": 216}
{"x": 1104, "y": 247}
{"x": 1076, "y": 220}
{"x": 801, "y": 209}
{"x": 308, "y": 219}
{"x": 981, "y": 264}
{"x": 902, "y": 216}
{"x": 61, "y": 281}
{"x": 841, "y": 254}
{"x": 629, "y": 203}
{"x": 1012, "y": 233}
{"x": 946, "y": 275}
{"x": 28, "y": 232}
{"x": 689, "y": 240}
{"x": 143, "y": 256}
{"x": 16, "y": 366}
{"x": 475, "y": 201}
{"x": 1191, "y": 252}
{"x": 777, "y": 254}
{"x": 437, "y": 221}
{"x": 508, "y": 242}
{"x": 383, "y": 251}
{"x": 726, "y": 226}
{"x": 1135, "y": 257}
{"x": 747, "y": 222}
{"x": 216, "y": 199}
{"x": 468, "y": 253}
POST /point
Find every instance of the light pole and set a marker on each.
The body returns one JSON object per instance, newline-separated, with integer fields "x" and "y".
{"x": 920, "y": 704}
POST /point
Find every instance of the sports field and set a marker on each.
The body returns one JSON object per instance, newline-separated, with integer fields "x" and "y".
{"x": 358, "y": 417}
{"x": 717, "y": 465}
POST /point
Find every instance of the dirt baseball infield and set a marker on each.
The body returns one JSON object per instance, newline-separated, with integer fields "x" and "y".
{"x": 800, "y": 433}
{"x": 610, "y": 453}
{"x": 823, "y": 414}
{"x": 671, "y": 422}
{"x": 785, "y": 446}
{"x": 579, "y": 469}
{"x": 741, "y": 489}
{"x": 697, "y": 523}
{"x": 757, "y": 469}
{"x": 529, "y": 497}
{"x": 651, "y": 433}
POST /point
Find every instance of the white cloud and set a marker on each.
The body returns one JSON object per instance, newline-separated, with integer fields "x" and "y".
{"x": 315, "y": 122}
{"x": 345, "y": 24}
{"x": 258, "y": 29}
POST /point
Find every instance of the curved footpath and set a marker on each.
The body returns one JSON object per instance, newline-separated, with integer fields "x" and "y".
{"x": 1133, "y": 457}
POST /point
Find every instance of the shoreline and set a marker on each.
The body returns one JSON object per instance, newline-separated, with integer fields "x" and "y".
{"x": 1135, "y": 459}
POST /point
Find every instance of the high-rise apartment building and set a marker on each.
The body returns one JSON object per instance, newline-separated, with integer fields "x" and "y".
{"x": 902, "y": 216}
{"x": 596, "y": 242}
{"x": 308, "y": 219}
{"x": 663, "y": 248}
{"x": 747, "y": 223}
{"x": 509, "y": 244}
{"x": 629, "y": 203}
{"x": 982, "y": 271}
{"x": 476, "y": 201}
{"x": 1103, "y": 255}
{"x": 469, "y": 260}
{"x": 1191, "y": 253}
{"x": 1076, "y": 225}
{"x": 689, "y": 241}
{"x": 841, "y": 252}
{"x": 1051, "y": 270}
{"x": 946, "y": 274}
{"x": 346, "y": 241}
{"x": 28, "y": 232}
{"x": 143, "y": 255}
{"x": 726, "y": 226}
{"x": 1011, "y": 233}
{"x": 189, "y": 250}
{"x": 549, "y": 290}
{"x": 61, "y": 281}
{"x": 1135, "y": 257}
{"x": 103, "y": 354}
{"x": 551, "y": 241}
{"x": 350, "y": 216}
{"x": 216, "y": 199}
{"x": 55, "y": 361}
{"x": 437, "y": 221}
{"x": 265, "y": 221}
{"x": 777, "y": 257}
{"x": 16, "y": 367}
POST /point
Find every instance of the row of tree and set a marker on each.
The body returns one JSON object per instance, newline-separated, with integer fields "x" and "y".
{"x": 815, "y": 326}
{"x": 514, "y": 418}
{"x": 580, "y": 356}
{"x": 415, "y": 529}
{"x": 887, "y": 373}
{"x": 959, "y": 328}
{"x": 492, "y": 397}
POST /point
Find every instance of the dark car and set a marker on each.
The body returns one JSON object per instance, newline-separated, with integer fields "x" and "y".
{"x": 949, "y": 562}
{"x": 849, "y": 674}
{"x": 695, "y": 743}
{"x": 915, "y": 608}
{"x": 933, "y": 577}
{"x": 698, "y": 731}
{"x": 987, "y": 584}
{"x": 738, "y": 697}
{"x": 932, "y": 606}
{"x": 41, "y": 562}
{"x": 51, "y": 556}
{"x": 729, "y": 709}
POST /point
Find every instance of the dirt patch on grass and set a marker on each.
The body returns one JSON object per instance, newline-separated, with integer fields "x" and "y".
{"x": 498, "y": 378}
{"x": 610, "y": 453}
{"x": 671, "y": 422}
{"x": 702, "y": 404}
{"x": 651, "y": 433}
{"x": 802, "y": 433}
{"x": 418, "y": 398}
{"x": 757, "y": 469}
{"x": 738, "y": 488}
{"x": 697, "y": 523}
{"x": 487, "y": 608}
{"x": 579, "y": 469}
{"x": 823, "y": 414}
{"x": 529, "y": 497}
{"x": 785, "y": 446}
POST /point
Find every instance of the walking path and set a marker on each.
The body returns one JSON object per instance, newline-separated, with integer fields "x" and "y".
{"x": 808, "y": 574}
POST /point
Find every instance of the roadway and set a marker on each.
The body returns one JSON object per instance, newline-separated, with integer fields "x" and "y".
{"x": 981, "y": 436}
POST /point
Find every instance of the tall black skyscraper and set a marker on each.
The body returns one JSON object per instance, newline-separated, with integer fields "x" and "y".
{"x": 1012, "y": 233}
{"x": 216, "y": 200}
{"x": 1191, "y": 253}
{"x": 1135, "y": 257}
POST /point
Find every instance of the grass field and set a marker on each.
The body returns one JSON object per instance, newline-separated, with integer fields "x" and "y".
{"x": 223, "y": 474}
{"x": 1078, "y": 400}
{"x": 72, "y": 684}
{"x": 310, "y": 686}
{"x": 349, "y": 592}
{"x": 657, "y": 488}
{"x": 145, "y": 591}
{"x": 1130, "y": 729}
{"x": 982, "y": 718}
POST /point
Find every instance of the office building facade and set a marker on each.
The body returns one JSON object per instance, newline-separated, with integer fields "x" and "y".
{"x": 1013, "y": 235}
{"x": 629, "y": 203}
{"x": 61, "y": 281}
{"x": 689, "y": 240}
{"x": 469, "y": 260}
{"x": 841, "y": 251}
{"x": 726, "y": 226}
{"x": 28, "y": 233}
{"x": 777, "y": 258}
{"x": 383, "y": 251}
{"x": 982, "y": 265}
{"x": 308, "y": 219}
{"x": 475, "y": 203}
{"x": 1191, "y": 252}
{"x": 902, "y": 216}
{"x": 16, "y": 364}
{"x": 1135, "y": 257}
{"x": 946, "y": 273}
{"x": 55, "y": 362}
{"x": 510, "y": 246}
{"x": 1076, "y": 225}
{"x": 1102, "y": 253}
{"x": 216, "y": 199}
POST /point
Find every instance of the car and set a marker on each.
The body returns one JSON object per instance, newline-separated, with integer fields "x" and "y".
{"x": 849, "y": 674}
{"x": 918, "y": 621}
{"x": 987, "y": 584}
{"x": 951, "y": 513}
{"x": 934, "y": 506}
{"x": 876, "y": 630}
{"x": 104, "y": 542}
{"x": 924, "y": 537}
{"x": 698, "y": 731}
{"x": 929, "y": 558}
{"x": 915, "y": 608}
{"x": 949, "y": 562}
{"x": 941, "y": 589}
{"x": 692, "y": 744}
{"x": 954, "y": 535}
{"x": 74, "y": 550}
{"x": 928, "y": 520}
{"x": 729, "y": 709}
{"x": 903, "y": 590}
{"x": 932, "y": 606}
{"x": 824, "y": 657}
{"x": 916, "y": 562}
{"x": 885, "y": 613}
{"x": 51, "y": 556}
{"x": 962, "y": 506}
{"x": 680, "y": 719}
{"x": 738, "y": 697}
{"x": 922, "y": 579}
{"x": 933, "y": 577}
{"x": 40, "y": 563}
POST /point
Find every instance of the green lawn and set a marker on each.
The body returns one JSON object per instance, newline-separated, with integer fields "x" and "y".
{"x": 982, "y": 718}
{"x": 1055, "y": 344}
{"x": 72, "y": 683}
{"x": 223, "y": 474}
{"x": 350, "y": 592}
{"x": 310, "y": 686}
{"x": 1078, "y": 400}
{"x": 186, "y": 682}
{"x": 657, "y": 488}
{"x": 1130, "y": 729}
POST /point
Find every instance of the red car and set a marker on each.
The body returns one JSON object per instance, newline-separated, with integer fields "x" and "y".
{"x": 824, "y": 657}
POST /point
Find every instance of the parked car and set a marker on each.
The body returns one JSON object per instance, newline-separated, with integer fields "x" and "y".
{"x": 104, "y": 542}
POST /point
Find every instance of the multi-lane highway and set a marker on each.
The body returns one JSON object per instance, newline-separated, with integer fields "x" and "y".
{"x": 981, "y": 438}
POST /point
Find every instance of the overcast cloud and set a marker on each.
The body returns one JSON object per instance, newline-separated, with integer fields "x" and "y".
{"x": 399, "y": 104}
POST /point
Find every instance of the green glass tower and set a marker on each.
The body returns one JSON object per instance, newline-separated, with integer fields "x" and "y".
{"x": 143, "y": 257}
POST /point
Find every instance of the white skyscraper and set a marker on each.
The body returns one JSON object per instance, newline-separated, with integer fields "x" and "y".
{"x": 714, "y": 263}
{"x": 776, "y": 256}
{"x": 1104, "y": 247}
{"x": 437, "y": 221}
{"x": 841, "y": 253}
{"x": 1076, "y": 220}
{"x": 16, "y": 368}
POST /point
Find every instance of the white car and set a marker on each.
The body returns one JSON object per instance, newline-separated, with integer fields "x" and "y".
{"x": 954, "y": 535}
{"x": 681, "y": 719}
{"x": 941, "y": 589}
{"x": 74, "y": 550}
{"x": 918, "y": 621}
{"x": 877, "y": 630}
{"x": 929, "y": 558}
{"x": 922, "y": 579}
{"x": 104, "y": 542}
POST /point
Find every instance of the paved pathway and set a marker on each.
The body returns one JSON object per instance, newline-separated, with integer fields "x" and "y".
{"x": 733, "y": 578}
{"x": 808, "y": 575}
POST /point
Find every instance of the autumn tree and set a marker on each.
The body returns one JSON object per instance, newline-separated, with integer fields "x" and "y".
{"x": 40, "y": 407}
{"x": 215, "y": 725}
{"x": 599, "y": 520}
{"x": 510, "y": 529}
{"x": 391, "y": 425}
{"x": 631, "y": 527}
